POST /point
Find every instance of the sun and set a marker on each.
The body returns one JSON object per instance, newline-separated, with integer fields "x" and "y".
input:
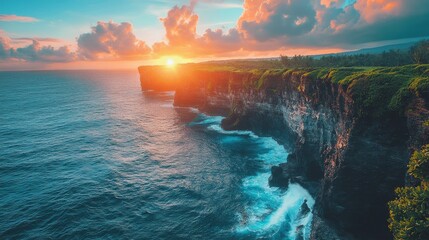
{"x": 170, "y": 62}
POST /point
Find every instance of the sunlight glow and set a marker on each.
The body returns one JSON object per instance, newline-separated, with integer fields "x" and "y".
{"x": 170, "y": 62}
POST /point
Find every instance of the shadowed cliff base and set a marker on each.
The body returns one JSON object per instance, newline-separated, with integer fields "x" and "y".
{"x": 351, "y": 130}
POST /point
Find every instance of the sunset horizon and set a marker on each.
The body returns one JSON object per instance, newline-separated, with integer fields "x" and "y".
{"x": 69, "y": 36}
{"x": 214, "y": 119}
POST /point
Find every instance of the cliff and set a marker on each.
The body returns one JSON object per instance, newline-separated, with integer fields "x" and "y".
{"x": 351, "y": 130}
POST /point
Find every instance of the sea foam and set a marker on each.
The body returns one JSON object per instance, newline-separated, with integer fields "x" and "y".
{"x": 270, "y": 212}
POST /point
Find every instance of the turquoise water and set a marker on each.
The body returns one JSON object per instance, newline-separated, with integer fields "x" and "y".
{"x": 87, "y": 154}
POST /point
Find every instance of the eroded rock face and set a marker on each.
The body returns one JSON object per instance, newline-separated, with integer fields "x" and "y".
{"x": 356, "y": 161}
{"x": 278, "y": 178}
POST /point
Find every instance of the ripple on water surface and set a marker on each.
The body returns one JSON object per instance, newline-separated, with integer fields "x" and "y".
{"x": 269, "y": 212}
{"x": 86, "y": 154}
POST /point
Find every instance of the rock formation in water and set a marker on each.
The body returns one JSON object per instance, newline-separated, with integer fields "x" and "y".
{"x": 350, "y": 130}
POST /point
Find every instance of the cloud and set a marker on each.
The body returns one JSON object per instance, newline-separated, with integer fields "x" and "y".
{"x": 329, "y": 3}
{"x": 180, "y": 25}
{"x": 111, "y": 41}
{"x": 365, "y": 21}
{"x": 264, "y": 20}
{"x": 219, "y": 41}
{"x": 4, "y": 48}
{"x": 265, "y": 26}
{"x": 39, "y": 39}
{"x": 182, "y": 39}
{"x": 330, "y": 23}
{"x": 335, "y": 18}
{"x": 269, "y": 25}
{"x": 15, "y": 18}
{"x": 106, "y": 41}
{"x": 35, "y": 52}
{"x": 371, "y": 10}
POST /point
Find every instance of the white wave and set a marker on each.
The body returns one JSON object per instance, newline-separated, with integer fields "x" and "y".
{"x": 168, "y": 105}
{"x": 271, "y": 211}
{"x": 203, "y": 119}
{"x": 194, "y": 110}
{"x": 167, "y": 93}
{"x": 220, "y": 130}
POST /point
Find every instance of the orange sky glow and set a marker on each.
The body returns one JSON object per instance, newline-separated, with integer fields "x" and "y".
{"x": 261, "y": 29}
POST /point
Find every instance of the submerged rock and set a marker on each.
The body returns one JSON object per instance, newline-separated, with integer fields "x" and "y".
{"x": 278, "y": 178}
{"x": 350, "y": 154}
{"x": 304, "y": 210}
{"x": 299, "y": 232}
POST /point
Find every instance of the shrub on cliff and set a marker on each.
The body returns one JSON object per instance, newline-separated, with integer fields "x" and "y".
{"x": 420, "y": 52}
{"x": 409, "y": 212}
{"x": 380, "y": 92}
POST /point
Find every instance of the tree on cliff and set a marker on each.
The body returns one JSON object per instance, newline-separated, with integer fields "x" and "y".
{"x": 420, "y": 52}
{"x": 409, "y": 212}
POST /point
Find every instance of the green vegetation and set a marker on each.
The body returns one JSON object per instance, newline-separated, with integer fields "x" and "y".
{"x": 385, "y": 59}
{"x": 253, "y": 65}
{"x": 269, "y": 75}
{"x": 418, "y": 54}
{"x": 409, "y": 212}
{"x": 320, "y": 73}
{"x": 380, "y": 85}
{"x": 420, "y": 85}
{"x": 377, "y": 91}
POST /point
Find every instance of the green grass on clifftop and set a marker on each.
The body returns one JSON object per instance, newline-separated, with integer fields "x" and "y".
{"x": 375, "y": 90}
{"x": 236, "y": 65}
{"x": 378, "y": 90}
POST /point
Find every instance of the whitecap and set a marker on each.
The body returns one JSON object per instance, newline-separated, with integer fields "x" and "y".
{"x": 168, "y": 105}
{"x": 271, "y": 212}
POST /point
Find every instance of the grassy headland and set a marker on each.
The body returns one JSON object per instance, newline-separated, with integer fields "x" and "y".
{"x": 376, "y": 90}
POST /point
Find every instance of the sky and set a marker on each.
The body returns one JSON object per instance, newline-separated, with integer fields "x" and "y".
{"x": 79, "y": 34}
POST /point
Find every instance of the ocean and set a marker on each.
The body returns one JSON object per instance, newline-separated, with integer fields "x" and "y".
{"x": 89, "y": 155}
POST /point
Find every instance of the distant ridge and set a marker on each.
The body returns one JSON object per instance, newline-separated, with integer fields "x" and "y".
{"x": 401, "y": 47}
{"x": 374, "y": 50}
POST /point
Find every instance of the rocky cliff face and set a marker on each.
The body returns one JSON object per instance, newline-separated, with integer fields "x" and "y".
{"x": 350, "y": 160}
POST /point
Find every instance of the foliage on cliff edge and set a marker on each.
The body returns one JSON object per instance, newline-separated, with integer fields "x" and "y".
{"x": 409, "y": 212}
{"x": 378, "y": 91}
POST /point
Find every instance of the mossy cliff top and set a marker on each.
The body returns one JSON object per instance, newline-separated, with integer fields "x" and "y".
{"x": 376, "y": 91}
